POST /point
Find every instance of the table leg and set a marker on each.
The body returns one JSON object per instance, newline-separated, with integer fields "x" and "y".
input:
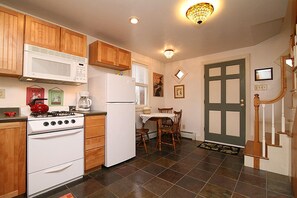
{"x": 159, "y": 124}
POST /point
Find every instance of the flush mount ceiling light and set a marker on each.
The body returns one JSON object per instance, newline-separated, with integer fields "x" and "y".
{"x": 199, "y": 12}
{"x": 133, "y": 20}
{"x": 168, "y": 53}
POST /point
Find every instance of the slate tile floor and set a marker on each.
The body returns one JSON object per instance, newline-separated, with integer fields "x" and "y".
{"x": 188, "y": 172}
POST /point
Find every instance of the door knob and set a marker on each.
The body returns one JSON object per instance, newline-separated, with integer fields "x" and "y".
{"x": 241, "y": 102}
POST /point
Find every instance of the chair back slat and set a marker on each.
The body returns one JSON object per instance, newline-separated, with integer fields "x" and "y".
{"x": 177, "y": 121}
{"x": 165, "y": 110}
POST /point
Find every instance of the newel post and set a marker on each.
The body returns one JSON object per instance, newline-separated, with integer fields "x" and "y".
{"x": 257, "y": 144}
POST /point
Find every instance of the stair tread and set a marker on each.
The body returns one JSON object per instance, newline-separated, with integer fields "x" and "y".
{"x": 268, "y": 139}
{"x": 288, "y": 133}
{"x": 253, "y": 150}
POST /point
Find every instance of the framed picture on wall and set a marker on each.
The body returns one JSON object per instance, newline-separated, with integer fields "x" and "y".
{"x": 55, "y": 97}
{"x": 264, "y": 74}
{"x": 34, "y": 92}
{"x": 179, "y": 91}
{"x": 158, "y": 84}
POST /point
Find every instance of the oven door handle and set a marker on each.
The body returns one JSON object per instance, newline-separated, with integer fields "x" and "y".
{"x": 56, "y": 134}
{"x": 59, "y": 168}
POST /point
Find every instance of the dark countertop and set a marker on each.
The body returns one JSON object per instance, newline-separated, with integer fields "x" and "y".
{"x": 16, "y": 118}
{"x": 19, "y": 118}
{"x": 92, "y": 112}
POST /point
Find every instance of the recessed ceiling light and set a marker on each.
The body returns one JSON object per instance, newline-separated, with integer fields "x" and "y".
{"x": 133, "y": 20}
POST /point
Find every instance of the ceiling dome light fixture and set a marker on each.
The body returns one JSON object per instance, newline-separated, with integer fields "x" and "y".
{"x": 199, "y": 12}
{"x": 168, "y": 53}
{"x": 133, "y": 20}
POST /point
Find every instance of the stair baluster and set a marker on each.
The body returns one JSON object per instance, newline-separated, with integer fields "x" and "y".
{"x": 272, "y": 125}
{"x": 283, "y": 116}
{"x": 263, "y": 132}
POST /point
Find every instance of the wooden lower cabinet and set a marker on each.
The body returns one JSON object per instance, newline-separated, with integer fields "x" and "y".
{"x": 12, "y": 159}
{"x": 94, "y": 141}
{"x": 94, "y": 158}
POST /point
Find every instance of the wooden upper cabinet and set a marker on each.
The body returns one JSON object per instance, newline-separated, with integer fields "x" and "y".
{"x": 103, "y": 53}
{"x": 73, "y": 43}
{"x": 124, "y": 59}
{"x": 13, "y": 159}
{"x": 109, "y": 56}
{"x": 42, "y": 34}
{"x": 107, "y": 53}
{"x": 11, "y": 42}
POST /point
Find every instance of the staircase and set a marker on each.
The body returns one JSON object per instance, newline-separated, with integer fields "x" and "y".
{"x": 271, "y": 149}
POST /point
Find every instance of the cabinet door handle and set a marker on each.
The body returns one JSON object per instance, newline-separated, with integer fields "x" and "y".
{"x": 59, "y": 168}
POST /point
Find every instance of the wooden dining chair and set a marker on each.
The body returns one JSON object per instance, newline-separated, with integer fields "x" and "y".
{"x": 141, "y": 133}
{"x": 174, "y": 130}
{"x": 165, "y": 110}
{"x": 166, "y": 122}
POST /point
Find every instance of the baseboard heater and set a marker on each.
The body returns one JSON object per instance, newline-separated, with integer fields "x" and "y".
{"x": 184, "y": 134}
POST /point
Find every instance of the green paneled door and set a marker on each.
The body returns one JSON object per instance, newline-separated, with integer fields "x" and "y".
{"x": 225, "y": 102}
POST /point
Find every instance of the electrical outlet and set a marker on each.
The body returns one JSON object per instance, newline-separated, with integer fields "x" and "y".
{"x": 2, "y": 93}
{"x": 183, "y": 126}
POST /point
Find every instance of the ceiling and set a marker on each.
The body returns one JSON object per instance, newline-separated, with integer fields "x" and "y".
{"x": 234, "y": 23}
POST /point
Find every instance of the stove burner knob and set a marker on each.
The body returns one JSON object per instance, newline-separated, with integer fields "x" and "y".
{"x": 60, "y": 122}
{"x": 45, "y": 124}
{"x": 72, "y": 121}
{"x": 53, "y": 123}
{"x": 66, "y": 121}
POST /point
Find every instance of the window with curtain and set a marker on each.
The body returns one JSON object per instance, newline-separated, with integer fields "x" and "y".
{"x": 140, "y": 73}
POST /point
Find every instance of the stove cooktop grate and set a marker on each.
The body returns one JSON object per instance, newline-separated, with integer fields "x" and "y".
{"x": 52, "y": 114}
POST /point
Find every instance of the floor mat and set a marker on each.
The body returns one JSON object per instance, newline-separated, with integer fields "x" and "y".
{"x": 232, "y": 150}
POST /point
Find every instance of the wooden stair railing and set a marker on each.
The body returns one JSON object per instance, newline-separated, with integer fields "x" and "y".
{"x": 258, "y": 147}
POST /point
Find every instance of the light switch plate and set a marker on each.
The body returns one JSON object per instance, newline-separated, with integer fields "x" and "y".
{"x": 261, "y": 87}
{"x": 2, "y": 93}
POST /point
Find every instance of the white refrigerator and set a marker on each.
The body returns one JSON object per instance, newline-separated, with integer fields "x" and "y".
{"x": 115, "y": 94}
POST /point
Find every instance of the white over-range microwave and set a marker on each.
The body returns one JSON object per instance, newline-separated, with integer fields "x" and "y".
{"x": 44, "y": 65}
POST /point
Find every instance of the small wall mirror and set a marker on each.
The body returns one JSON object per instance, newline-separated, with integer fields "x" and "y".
{"x": 179, "y": 74}
{"x": 264, "y": 74}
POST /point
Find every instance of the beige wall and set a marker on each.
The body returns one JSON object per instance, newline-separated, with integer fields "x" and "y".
{"x": 154, "y": 102}
{"x": 262, "y": 55}
{"x": 16, "y": 90}
{"x": 265, "y": 54}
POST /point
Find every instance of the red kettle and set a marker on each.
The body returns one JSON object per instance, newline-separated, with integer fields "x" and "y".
{"x": 38, "y": 107}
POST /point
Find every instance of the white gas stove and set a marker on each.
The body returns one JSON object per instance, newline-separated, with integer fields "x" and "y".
{"x": 54, "y": 121}
{"x": 55, "y": 153}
